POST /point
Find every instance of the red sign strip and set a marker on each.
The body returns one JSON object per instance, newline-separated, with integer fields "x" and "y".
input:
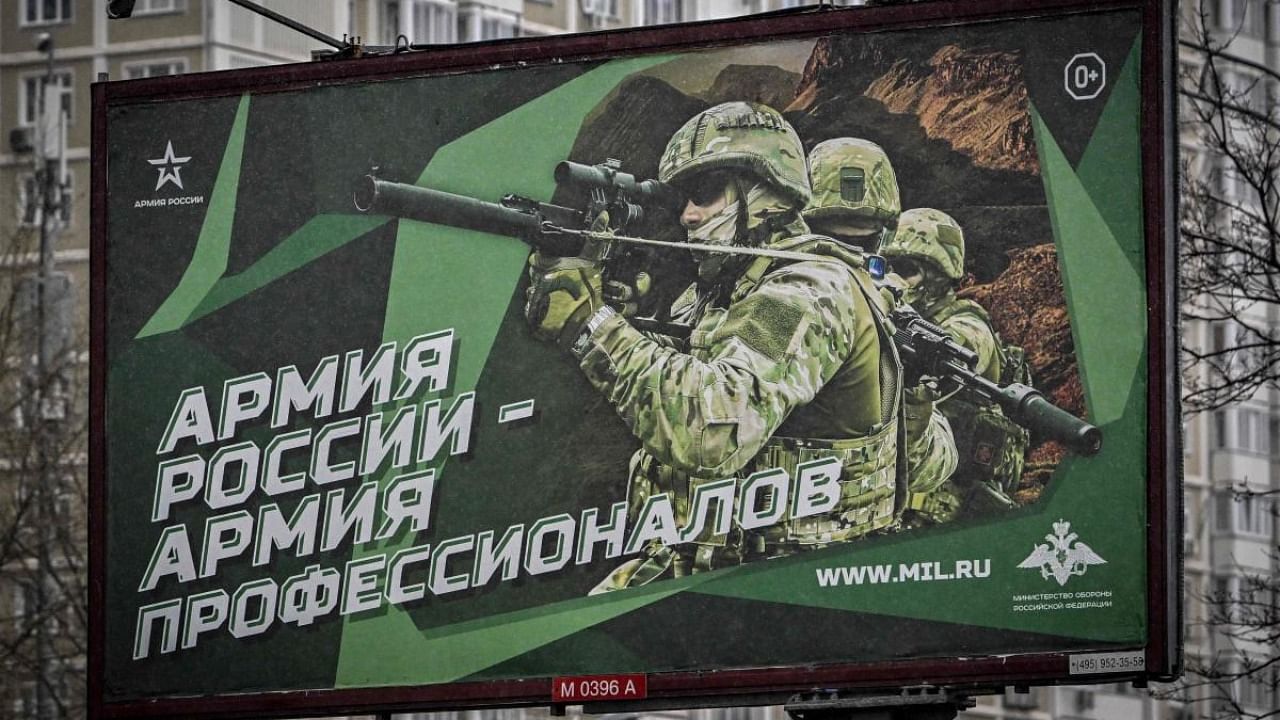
{"x": 592, "y": 688}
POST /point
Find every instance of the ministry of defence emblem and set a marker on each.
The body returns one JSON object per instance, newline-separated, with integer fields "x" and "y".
{"x": 1063, "y": 557}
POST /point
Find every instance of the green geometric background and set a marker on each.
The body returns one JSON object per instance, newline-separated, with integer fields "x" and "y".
{"x": 438, "y": 277}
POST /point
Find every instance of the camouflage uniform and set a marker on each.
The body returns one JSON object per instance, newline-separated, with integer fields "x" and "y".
{"x": 787, "y": 362}
{"x": 992, "y": 447}
{"x": 856, "y": 201}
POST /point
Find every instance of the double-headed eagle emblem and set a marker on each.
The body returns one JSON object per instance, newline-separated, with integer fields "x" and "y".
{"x": 1063, "y": 557}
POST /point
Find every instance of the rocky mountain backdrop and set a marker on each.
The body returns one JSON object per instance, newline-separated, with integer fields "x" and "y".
{"x": 975, "y": 100}
{"x": 772, "y": 86}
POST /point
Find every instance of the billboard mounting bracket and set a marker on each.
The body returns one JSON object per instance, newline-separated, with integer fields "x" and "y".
{"x": 919, "y": 702}
{"x": 119, "y": 9}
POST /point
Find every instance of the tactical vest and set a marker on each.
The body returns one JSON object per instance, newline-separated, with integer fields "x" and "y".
{"x": 872, "y": 482}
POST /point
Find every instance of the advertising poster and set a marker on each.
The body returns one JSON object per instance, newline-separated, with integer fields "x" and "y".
{"x": 356, "y": 436}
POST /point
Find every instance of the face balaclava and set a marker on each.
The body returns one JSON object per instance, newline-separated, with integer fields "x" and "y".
{"x": 725, "y": 229}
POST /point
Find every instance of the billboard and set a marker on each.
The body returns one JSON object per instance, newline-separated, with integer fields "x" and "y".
{"x": 829, "y": 349}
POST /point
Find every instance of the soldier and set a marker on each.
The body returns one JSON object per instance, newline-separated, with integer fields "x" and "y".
{"x": 788, "y": 361}
{"x": 856, "y": 201}
{"x": 927, "y": 253}
{"x": 855, "y": 192}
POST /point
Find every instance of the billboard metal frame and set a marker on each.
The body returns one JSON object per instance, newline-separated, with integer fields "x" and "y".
{"x": 700, "y": 689}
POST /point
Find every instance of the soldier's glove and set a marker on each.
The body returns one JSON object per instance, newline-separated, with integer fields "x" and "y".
{"x": 627, "y": 297}
{"x": 563, "y": 293}
{"x": 919, "y": 403}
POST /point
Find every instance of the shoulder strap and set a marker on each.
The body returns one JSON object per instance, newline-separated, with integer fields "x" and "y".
{"x": 759, "y": 267}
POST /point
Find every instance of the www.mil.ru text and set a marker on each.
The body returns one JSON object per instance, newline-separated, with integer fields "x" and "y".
{"x": 903, "y": 572}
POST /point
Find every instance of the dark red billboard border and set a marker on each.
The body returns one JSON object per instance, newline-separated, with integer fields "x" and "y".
{"x": 695, "y": 689}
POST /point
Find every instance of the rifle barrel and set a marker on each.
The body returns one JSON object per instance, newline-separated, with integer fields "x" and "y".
{"x": 382, "y": 197}
{"x": 522, "y": 219}
{"x": 931, "y": 351}
{"x": 1030, "y": 408}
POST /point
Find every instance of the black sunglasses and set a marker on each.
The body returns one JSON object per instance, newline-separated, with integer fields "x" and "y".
{"x": 705, "y": 188}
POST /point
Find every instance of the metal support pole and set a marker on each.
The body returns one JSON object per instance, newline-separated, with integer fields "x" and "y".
{"x": 43, "y": 416}
{"x": 294, "y": 24}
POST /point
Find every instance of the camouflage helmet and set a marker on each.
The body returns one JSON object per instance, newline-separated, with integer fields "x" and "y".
{"x": 929, "y": 235}
{"x": 739, "y": 135}
{"x": 853, "y": 181}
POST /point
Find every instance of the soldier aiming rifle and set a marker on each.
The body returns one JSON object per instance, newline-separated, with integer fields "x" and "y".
{"x": 926, "y": 253}
{"x": 856, "y": 202}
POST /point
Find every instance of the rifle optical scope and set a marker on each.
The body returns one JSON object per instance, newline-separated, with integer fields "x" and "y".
{"x": 654, "y": 193}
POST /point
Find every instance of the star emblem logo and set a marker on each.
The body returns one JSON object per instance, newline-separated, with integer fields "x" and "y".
{"x": 169, "y": 167}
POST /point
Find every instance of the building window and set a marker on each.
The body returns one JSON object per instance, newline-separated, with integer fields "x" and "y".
{"x": 44, "y": 12}
{"x": 155, "y": 7}
{"x": 1245, "y": 430}
{"x": 1246, "y": 90}
{"x": 1222, "y": 594}
{"x": 389, "y": 21}
{"x": 1254, "y": 689}
{"x": 1258, "y": 94}
{"x": 1254, "y": 515}
{"x": 24, "y": 599}
{"x": 662, "y": 12}
{"x": 1020, "y": 700}
{"x": 1220, "y": 429}
{"x": 154, "y": 68}
{"x": 1243, "y": 514}
{"x": 1220, "y": 341}
{"x": 1249, "y": 16}
{"x": 496, "y": 29}
{"x": 1253, "y": 431}
{"x": 600, "y": 8}
{"x": 1222, "y": 512}
{"x": 1224, "y": 599}
{"x": 239, "y": 62}
{"x": 475, "y": 23}
{"x": 29, "y": 96}
{"x": 434, "y": 23}
{"x": 30, "y": 207}
{"x": 1234, "y": 347}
